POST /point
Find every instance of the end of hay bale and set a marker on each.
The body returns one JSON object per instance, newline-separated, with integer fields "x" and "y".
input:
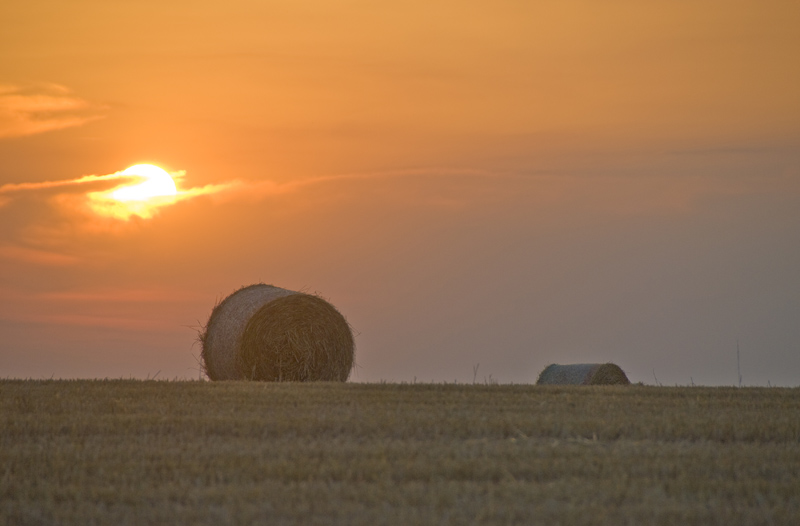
{"x": 266, "y": 333}
{"x": 583, "y": 374}
{"x": 296, "y": 338}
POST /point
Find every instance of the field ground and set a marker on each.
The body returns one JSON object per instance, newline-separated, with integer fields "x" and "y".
{"x": 147, "y": 452}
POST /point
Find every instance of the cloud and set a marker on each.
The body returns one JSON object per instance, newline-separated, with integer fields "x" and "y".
{"x": 258, "y": 190}
{"x": 36, "y": 256}
{"x": 607, "y": 194}
{"x": 28, "y": 110}
{"x": 104, "y": 202}
{"x": 108, "y": 307}
{"x": 123, "y": 295}
{"x": 92, "y": 196}
{"x": 11, "y": 188}
{"x": 87, "y": 320}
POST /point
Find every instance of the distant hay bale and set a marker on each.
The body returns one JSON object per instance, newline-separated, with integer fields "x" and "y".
{"x": 261, "y": 332}
{"x": 583, "y": 374}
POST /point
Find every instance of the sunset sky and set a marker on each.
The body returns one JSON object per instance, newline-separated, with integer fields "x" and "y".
{"x": 494, "y": 184}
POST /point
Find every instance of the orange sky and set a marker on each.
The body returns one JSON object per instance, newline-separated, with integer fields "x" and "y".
{"x": 507, "y": 184}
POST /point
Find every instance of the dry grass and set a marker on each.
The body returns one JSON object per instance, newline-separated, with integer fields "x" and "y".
{"x": 129, "y": 452}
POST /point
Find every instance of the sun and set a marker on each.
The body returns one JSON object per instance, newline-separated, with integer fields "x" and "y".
{"x": 157, "y": 183}
{"x": 152, "y": 187}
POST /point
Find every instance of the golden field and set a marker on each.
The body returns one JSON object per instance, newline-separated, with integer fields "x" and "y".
{"x": 157, "y": 452}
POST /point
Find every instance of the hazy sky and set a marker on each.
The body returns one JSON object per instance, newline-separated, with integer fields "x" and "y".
{"x": 509, "y": 184}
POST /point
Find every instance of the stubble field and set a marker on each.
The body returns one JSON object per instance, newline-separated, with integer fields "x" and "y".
{"x": 147, "y": 452}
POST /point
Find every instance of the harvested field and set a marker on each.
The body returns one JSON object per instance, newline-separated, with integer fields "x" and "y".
{"x": 132, "y": 452}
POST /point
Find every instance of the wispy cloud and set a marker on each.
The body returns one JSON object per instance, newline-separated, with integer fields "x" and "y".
{"x": 107, "y": 205}
{"x": 11, "y": 188}
{"x": 87, "y": 320}
{"x": 104, "y": 202}
{"x": 28, "y": 110}
{"x": 105, "y": 307}
{"x": 257, "y": 190}
{"x": 36, "y": 256}
{"x": 123, "y": 295}
{"x": 449, "y": 188}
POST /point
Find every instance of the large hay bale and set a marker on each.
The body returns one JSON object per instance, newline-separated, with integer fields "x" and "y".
{"x": 583, "y": 374}
{"x": 261, "y": 332}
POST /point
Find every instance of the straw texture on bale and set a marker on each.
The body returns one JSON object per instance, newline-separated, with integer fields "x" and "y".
{"x": 261, "y": 332}
{"x": 583, "y": 374}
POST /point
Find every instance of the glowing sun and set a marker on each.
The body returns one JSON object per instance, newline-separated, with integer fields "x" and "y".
{"x": 157, "y": 183}
{"x": 152, "y": 187}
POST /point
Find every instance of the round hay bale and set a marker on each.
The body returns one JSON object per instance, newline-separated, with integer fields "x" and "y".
{"x": 261, "y": 332}
{"x": 583, "y": 374}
